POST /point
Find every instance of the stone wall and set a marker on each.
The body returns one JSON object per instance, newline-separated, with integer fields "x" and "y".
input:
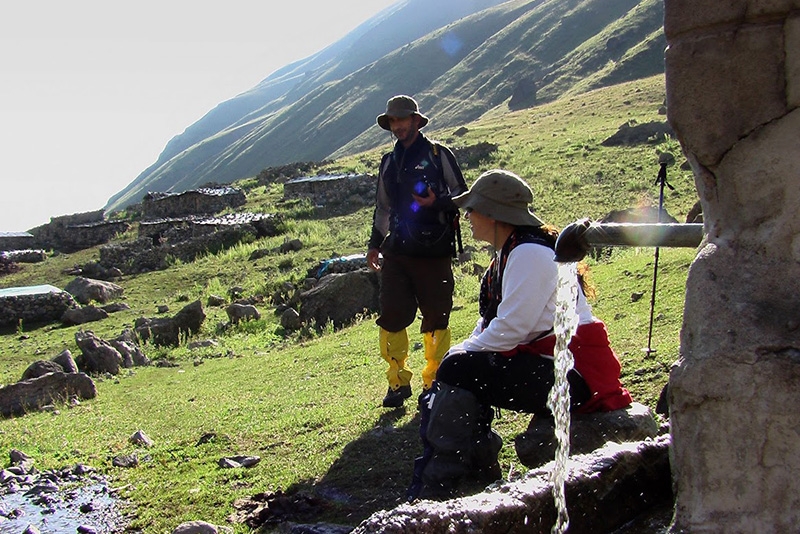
{"x": 16, "y": 240}
{"x": 333, "y": 190}
{"x": 33, "y": 304}
{"x": 70, "y": 233}
{"x": 185, "y": 239}
{"x": 203, "y": 201}
{"x": 733, "y": 92}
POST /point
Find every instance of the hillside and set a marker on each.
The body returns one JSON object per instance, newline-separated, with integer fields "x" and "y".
{"x": 461, "y": 59}
{"x": 308, "y": 404}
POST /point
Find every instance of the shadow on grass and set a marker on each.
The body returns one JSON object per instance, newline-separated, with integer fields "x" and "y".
{"x": 373, "y": 471}
{"x": 29, "y": 327}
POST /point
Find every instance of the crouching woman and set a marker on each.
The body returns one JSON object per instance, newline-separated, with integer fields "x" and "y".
{"x": 507, "y": 361}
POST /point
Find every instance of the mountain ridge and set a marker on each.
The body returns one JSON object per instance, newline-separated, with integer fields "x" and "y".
{"x": 478, "y": 55}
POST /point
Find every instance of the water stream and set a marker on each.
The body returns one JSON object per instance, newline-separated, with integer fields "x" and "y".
{"x": 565, "y": 324}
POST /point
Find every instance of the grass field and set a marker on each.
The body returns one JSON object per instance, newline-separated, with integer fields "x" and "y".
{"x": 309, "y": 405}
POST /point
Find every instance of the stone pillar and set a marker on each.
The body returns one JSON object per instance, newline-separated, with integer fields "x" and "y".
{"x": 733, "y": 89}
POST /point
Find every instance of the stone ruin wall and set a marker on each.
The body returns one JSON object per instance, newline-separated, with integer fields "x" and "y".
{"x": 201, "y": 201}
{"x": 359, "y": 189}
{"x": 70, "y": 233}
{"x": 10, "y": 241}
{"x": 35, "y": 308}
{"x": 185, "y": 239}
{"x": 733, "y": 92}
{"x": 333, "y": 190}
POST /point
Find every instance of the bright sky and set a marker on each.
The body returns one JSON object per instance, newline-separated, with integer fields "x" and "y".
{"x": 92, "y": 90}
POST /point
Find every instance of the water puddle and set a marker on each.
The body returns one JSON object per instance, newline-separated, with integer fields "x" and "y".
{"x": 89, "y": 507}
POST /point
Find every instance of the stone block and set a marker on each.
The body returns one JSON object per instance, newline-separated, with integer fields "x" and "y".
{"x": 793, "y": 62}
{"x": 537, "y": 445}
{"x": 682, "y": 16}
{"x": 604, "y": 490}
{"x": 709, "y": 122}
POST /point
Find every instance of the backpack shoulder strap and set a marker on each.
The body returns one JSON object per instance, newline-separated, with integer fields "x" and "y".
{"x": 436, "y": 155}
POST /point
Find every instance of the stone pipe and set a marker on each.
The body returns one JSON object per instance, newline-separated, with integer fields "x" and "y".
{"x": 575, "y": 241}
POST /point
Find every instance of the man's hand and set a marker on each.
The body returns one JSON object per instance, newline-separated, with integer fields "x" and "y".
{"x": 372, "y": 259}
{"x": 426, "y": 201}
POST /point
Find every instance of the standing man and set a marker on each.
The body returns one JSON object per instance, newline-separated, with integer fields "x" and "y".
{"x": 415, "y": 227}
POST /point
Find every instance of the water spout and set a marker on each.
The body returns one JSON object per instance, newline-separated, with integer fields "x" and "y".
{"x": 575, "y": 241}
{"x": 564, "y": 326}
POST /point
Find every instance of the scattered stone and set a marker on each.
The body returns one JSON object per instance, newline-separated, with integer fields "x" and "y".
{"x": 235, "y": 292}
{"x": 258, "y": 254}
{"x": 163, "y": 362}
{"x": 97, "y": 356}
{"x": 200, "y": 527}
{"x": 115, "y": 307}
{"x": 271, "y": 508}
{"x": 125, "y": 460}
{"x": 140, "y": 438}
{"x": 167, "y": 332}
{"x": 232, "y": 462}
{"x": 636, "y": 134}
{"x": 291, "y": 245}
{"x": 130, "y": 351}
{"x": 216, "y": 300}
{"x": 206, "y": 438}
{"x": 99, "y": 272}
{"x": 202, "y": 344}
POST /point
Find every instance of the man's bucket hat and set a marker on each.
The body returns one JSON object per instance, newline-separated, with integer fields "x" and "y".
{"x": 502, "y": 196}
{"x": 401, "y": 106}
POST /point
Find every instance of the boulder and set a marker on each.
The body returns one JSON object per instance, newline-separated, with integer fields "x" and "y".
{"x": 97, "y": 356}
{"x": 340, "y": 297}
{"x": 190, "y": 318}
{"x": 241, "y": 312}
{"x": 28, "y": 395}
{"x": 167, "y": 332}
{"x": 85, "y": 290}
{"x": 85, "y": 314}
{"x": 66, "y": 362}
{"x": 41, "y": 368}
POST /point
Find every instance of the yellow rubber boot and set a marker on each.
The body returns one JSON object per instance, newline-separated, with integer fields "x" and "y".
{"x": 394, "y": 349}
{"x": 436, "y": 344}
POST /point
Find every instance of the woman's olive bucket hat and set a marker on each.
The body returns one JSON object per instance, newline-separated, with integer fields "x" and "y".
{"x": 502, "y": 196}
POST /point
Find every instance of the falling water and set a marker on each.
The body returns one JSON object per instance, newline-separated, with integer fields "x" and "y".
{"x": 566, "y": 322}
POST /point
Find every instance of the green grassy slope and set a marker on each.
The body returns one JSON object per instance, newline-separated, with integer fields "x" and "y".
{"x": 309, "y": 406}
